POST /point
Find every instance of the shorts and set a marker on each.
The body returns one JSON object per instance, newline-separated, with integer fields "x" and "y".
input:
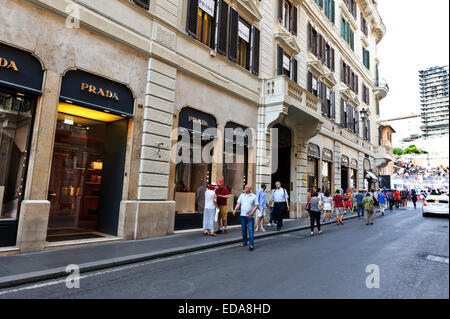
{"x": 223, "y": 214}
{"x": 261, "y": 212}
{"x": 348, "y": 204}
{"x": 339, "y": 210}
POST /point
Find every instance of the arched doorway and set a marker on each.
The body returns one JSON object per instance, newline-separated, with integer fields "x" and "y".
{"x": 283, "y": 158}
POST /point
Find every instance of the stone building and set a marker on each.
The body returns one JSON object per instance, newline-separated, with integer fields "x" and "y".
{"x": 99, "y": 100}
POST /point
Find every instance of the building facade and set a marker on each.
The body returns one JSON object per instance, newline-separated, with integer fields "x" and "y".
{"x": 116, "y": 114}
{"x": 434, "y": 101}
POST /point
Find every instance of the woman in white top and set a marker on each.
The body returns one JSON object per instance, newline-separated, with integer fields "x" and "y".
{"x": 327, "y": 206}
{"x": 209, "y": 212}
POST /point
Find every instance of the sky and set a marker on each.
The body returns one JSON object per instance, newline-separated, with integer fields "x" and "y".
{"x": 416, "y": 38}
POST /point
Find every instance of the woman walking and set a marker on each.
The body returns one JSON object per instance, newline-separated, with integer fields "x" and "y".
{"x": 327, "y": 206}
{"x": 414, "y": 198}
{"x": 209, "y": 212}
{"x": 314, "y": 212}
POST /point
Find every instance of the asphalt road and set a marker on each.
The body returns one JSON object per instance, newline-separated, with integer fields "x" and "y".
{"x": 293, "y": 265}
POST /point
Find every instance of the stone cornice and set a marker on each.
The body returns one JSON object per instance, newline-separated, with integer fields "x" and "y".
{"x": 348, "y": 16}
{"x": 288, "y": 41}
{"x": 249, "y": 8}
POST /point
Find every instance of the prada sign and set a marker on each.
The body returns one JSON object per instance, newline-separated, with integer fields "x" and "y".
{"x": 327, "y": 155}
{"x": 196, "y": 121}
{"x": 314, "y": 150}
{"x": 98, "y": 93}
{"x": 20, "y": 70}
{"x": 344, "y": 161}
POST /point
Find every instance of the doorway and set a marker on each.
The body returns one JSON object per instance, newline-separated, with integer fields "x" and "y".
{"x": 86, "y": 181}
{"x": 283, "y": 173}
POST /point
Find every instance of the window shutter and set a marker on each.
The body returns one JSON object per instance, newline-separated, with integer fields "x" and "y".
{"x": 212, "y": 38}
{"x": 192, "y": 17}
{"x": 309, "y": 82}
{"x": 294, "y": 70}
{"x": 333, "y": 105}
{"x": 342, "y": 71}
{"x": 364, "y": 93}
{"x": 143, "y": 3}
{"x": 223, "y": 28}
{"x": 309, "y": 37}
{"x": 232, "y": 49}
{"x": 356, "y": 84}
{"x": 362, "y": 23}
{"x": 332, "y": 59}
{"x": 280, "y": 10}
{"x": 324, "y": 45}
{"x": 368, "y": 130}
{"x": 319, "y": 46}
{"x": 333, "y": 11}
{"x": 349, "y": 116}
{"x": 256, "y": 45}
{"x": 357, "y": 121}
{"x": 343, "y": 119}
{"x": 323, "y": 97}
{"x": 294, "y": 20}
{"x": 249, "y": 52}
{"x": 280, "y": 54}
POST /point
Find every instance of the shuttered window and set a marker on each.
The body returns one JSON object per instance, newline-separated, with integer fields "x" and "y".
{"x": 192, "y": 17}
{"x": 143, "y": 3}
{"x": 366, "y": 58}
{"x": 280, "y": 54}
{"x": 347, "y": 33}
{"x": 294, "y": 70}
{"x": 201, "y": 24}
{"x": 233, "y": 35}
{"x": 320, "y": 48}
{"x": 288, "y": 16}
{"x": 328, "y": 8}
{"x": 256, "y": 49}
{"x": 223, "y": 28}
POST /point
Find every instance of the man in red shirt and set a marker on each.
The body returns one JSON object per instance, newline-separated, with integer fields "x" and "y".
{"x": 222, "y": 197}
{"x": 338, "y": 206}
{"x": 397, "y": 199}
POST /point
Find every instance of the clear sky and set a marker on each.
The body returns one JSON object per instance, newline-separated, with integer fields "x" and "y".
{"x": 417, "y": 33}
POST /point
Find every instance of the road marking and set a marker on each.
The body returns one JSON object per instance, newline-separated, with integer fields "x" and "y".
{"x": 437, "y": 259}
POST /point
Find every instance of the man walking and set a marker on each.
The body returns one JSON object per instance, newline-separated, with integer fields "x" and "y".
{"x": 368, "y": 204}
{"x": 390, "y": 197}
{"x": 382, "y": 202}
{"x": 397, "y": 199}
{"x": 359, "y": 203}
{"x": 338, "y": 207}
{"x": 261, "y": 212}
{"x": 248, "y": 202}
{"x": 280, "y": 197}
{"x": 222, "y": 199}
{"x": 414, "y": 198}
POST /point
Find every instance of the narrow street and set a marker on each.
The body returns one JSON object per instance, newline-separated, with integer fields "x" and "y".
{"x": 292, "y": 265}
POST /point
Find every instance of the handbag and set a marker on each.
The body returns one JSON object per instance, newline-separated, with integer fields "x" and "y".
{"x": 216, "y": 217}
{"x": 308, "y": 205}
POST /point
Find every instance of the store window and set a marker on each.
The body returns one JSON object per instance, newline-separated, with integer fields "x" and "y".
{"x": 16, "y": 118}
{"x": 194, "y": 159}
{"x": 313, "y": 168}
{"x": 327, "y": 171}
{"x": 354, "y": 174}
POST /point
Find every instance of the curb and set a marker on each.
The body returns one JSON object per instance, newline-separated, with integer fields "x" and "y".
{"x": 33, "y": 277}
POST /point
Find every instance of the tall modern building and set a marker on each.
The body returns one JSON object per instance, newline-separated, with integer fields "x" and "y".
{"x": 434, "y": 100}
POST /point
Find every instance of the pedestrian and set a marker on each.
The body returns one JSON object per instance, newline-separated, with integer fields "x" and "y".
{"x": 414, "y": 198}
{"x": 359, "y": 203}
{"x": 369, "y": 208}
{"x": 338, "y": 207}
{"x": 347, "y": 201}
{"x": 397, "y": 199}
{"x": 272, "y": 219}
{"x": 327, "y": 206}
{"x": 281, "y": 203}
{"x": 261, "y": 212}
{"x": 248, "y": 203}
{"x": 222, "y": 201}
{"x": 382, "y": 202}
{"x": 209, "y": 211}
{"x": 390, "y": 197}
{"x": 314, "y": 212}
{"x": 403, "y": 198}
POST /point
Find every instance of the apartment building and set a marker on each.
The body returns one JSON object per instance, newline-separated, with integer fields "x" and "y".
{"x": 104, "y": 105}
{"x": 434, "y": 101}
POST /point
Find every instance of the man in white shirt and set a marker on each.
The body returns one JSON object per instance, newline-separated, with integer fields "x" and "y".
{"x": 281, "y": 199}
{"x": 248, "y": 202}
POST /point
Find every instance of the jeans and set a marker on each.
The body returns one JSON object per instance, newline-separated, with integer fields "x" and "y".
{"x": 248, "y": 223}
{"x": 314, "y": 219}
{"x": 271, "y": 215}
{"x": 359, "y": 209}
{"x": 369, "y": 216}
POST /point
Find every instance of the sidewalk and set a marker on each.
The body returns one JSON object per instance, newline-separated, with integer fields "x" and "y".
{"x": 32, "y": 267}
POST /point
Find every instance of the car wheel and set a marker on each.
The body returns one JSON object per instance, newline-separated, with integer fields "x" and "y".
{"x": 424, "y": 215}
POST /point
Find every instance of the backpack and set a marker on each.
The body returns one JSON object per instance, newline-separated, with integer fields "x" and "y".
{"x": 346, "y": 197}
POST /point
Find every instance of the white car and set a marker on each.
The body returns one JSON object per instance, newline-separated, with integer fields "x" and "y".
{"x": 435, "y": 204}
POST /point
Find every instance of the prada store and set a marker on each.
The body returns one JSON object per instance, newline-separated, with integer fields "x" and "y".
{"x": 87, "y": 171}
{"x": 21, "y": 76}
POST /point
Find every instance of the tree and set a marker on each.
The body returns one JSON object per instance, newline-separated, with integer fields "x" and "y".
{"x": 412, "y": 149}
{"x": 397, "y": 151}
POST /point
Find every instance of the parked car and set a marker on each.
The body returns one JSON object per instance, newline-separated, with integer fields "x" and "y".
{"x": 435, "y": 204}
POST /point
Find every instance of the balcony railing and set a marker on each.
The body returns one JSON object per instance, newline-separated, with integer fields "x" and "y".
{"x": 381, "y": 88}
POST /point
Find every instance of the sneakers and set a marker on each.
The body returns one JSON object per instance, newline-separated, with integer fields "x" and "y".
{"x": 337, "y": 223}
{"x": 262, "y": 229}
{"x": 225, "y": 231}
{"x": 219, "y": 231}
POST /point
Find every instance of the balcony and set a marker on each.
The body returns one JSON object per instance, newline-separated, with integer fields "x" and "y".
{"x": 381, "y": 89}
{"x": 283, "y": 97}
{"x": 383, "y": 155}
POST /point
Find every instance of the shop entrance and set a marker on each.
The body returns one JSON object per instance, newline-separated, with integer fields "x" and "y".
{"x": 283, "y": 173}
{"x": 344, "y": 178}
{"x": 86, "y": 180}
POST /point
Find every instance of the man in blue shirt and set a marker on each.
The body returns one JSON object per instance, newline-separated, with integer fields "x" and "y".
{"x": 261, "y": 212}
{"x": 382, "y": 202}
{"x": 280, "y": 197}
{"x": 248, "y": 202}
{"x": 359, "y": 203}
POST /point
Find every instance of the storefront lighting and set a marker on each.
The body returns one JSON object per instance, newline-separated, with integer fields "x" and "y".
{"x": 68, "y": 121}
{"x": 87, "y": 113}
{"x": 70, "y": 102}
{"x": 20, "y": 94}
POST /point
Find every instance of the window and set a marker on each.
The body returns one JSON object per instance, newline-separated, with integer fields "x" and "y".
{"x": 366, "y": 131}
{"x": 366, "y": 58}
{"x": 320, "y": 48}
{"x": 286, "y": 65}
{"x": 143, "y": 3}
{"x": 200, "y": 21}
{"x": 349, "y": 77}
{"x": 351, "y": 5}
{"x": 244, "y": 44}
{"x": 347, "y": 33}
{"x": 287, "y": 15}
{"x": 364, "y": 27}
{"x": 366, "y": 94}
{"x": 328, "y": 7}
